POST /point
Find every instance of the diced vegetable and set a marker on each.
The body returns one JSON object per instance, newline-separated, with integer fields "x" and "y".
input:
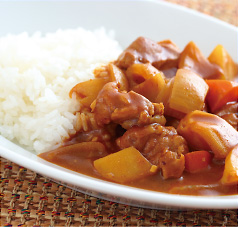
{"x": 189, "y": 92}
{"x": 221, "y": 92}
{"x": 197, "y": 160}
{"x": 204, "y": 131}
{"x": 151, "y": 87}
{"x": 124, "y": 166}
{"x": 220, "y": 56}
{"x": 116, "y": 74}
{"x": 164, "y": 96}
{"x": 193, "y": 59}
{"x": 87, "y": 91}
{"x": 230, "y": 174}
{"x": 165, "y": 93}
{"x": 138, "y": 73}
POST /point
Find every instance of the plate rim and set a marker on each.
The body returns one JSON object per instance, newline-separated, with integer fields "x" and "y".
{"x": 158, "y": 199}
{"x": 110, "y": 191}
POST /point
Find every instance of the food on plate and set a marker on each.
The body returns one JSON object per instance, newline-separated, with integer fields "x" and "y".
{"x": 206, "y": 131}
{"x": 152, "y": 116}
{"x": 230, "y": 174}
{"x": 197, "y": 160}
{"x": 166, "y": 119}
{"x": 192, "y": 58}
{"x": 161, "y": 145}
{"x": 125, "y": 165}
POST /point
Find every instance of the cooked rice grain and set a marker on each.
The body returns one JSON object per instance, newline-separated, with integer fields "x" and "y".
{"x": 36, "y": 75}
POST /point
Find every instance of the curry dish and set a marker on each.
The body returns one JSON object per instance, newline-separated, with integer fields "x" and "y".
{"x": 160, "y": 119}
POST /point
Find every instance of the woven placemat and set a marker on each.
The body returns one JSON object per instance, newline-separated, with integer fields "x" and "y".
{"x": 226, "y": 10}
{"x": 28, "y": 199}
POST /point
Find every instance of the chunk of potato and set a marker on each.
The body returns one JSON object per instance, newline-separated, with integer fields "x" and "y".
{"x": 87, "y": 91}
{"x": 189, "y": 92}
{"x": 204, "y": 131}
{"x": 164, "y": 97}
{"x": 230, "y": 174}
{"x": 151, "y": 87}
{"x": 221, "y": 57}
{"x": 124, "y": 166}
{"x": 138, "y": 73}
{"x": 116, "y": 74}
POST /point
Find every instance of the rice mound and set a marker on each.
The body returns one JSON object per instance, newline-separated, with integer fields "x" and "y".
{"x": 36, "y": 75}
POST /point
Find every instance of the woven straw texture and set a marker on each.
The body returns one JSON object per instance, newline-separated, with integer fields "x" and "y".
{"x": 28, "y": 199}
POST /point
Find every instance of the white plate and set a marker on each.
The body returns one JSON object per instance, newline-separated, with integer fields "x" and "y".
{"x": 154, "y": 19}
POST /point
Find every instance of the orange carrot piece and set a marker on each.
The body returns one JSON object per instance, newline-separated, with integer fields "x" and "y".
{"x": 221, "y": 92}
{"x": 197, "y": 160}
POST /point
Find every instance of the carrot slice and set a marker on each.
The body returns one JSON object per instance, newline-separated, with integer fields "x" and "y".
{"x": 197, "y": 160}
{"x": 221, "y": 92}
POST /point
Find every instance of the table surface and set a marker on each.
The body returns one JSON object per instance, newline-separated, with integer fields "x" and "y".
{"x": 28, "y": 199}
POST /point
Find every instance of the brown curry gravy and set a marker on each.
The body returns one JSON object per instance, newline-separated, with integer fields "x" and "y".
{"x": 205, "y": 182}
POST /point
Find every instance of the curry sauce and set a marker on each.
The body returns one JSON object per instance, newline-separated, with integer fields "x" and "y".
{"x": 206, "y": 182}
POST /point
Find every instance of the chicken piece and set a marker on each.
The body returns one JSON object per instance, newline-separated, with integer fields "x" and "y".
{"x": 162, "y": 146}
{"x": 126, "y": 109}
{"x": 229, "y": 112}
{"x": 143, "y": 50}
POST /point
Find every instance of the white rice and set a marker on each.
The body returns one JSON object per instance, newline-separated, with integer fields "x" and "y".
{"x": 36, "y": 75}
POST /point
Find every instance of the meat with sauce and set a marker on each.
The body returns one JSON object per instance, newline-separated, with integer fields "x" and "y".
{"x": 229, "y": 112}
{"x": 162, "y": 146}
{"x": 143, "y": 50}
{"x": 126, "y": 108}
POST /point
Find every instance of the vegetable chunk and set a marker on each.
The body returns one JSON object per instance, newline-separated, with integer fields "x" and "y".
{"x": 146, "y": 80}
{"x": 204, "y": 131}
{"x": 230, "y": 174}
{"x": 221, "y": 92}
{"x": 124, "y": 166}
{"x": 197, "y": 160}
{"x": 164, "y": 97}
{"x": 221, "y": 57}
{"x": 193, "y": 59}
{"x": 189, "y": 92}
{"x": 116, "y": 74}
{"x": 151, "y": 87}
{"x": 87, "y": 91}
